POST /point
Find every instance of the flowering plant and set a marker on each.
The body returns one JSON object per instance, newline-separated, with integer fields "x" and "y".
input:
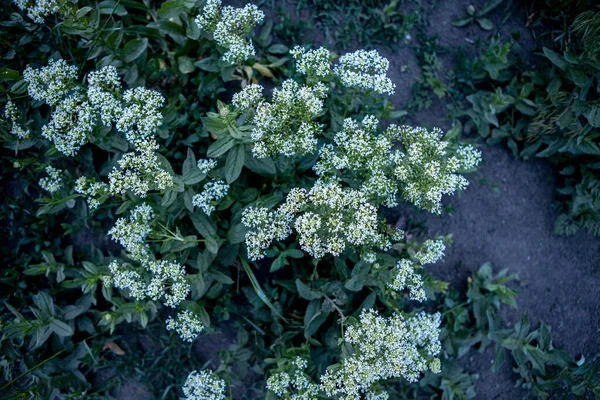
{"x": 268, "y": 211}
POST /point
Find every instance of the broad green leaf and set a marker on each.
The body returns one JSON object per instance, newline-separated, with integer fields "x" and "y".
{"x": 186, "y": 66}
{"x": 220, "y": 147}
{"x": 278, "y": 49}
{"x": 485, "y": 23}
{"x": 555, "y": 58}
{"x": 234, "y": 163}
{"x": 60, "y": 328}
{"x": 306, "y": 292}
{"x": 134, "y": 49}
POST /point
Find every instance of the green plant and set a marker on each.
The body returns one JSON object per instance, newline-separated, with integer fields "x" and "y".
{"x": 475, "y": 15}
{"x": 550, "y": 113}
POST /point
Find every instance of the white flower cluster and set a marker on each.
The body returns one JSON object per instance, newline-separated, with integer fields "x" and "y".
{"x": 186, "y": 324}
{"x": 285, "y": 125}
{"x": 313, "y": 63}
{"x": 126, "y": 279}
{"x": 168, "y": 282}
{"x": 365, "y": 70}
{"x": 385, "y": 348}
{"x": 205, "y": 165}
{"x": 428, "y": 170}
{"x": 12, "y": 113}
{"x": 266, "y": 226}
{"x": 407, "y": 278}
{"x": 358, "y": 149}
{"x": 157, "y": 280}
{"x": 95, "y": 192}
{"x": 136, "y": 113}
{"x": 51, "y": 83}
{"x": 335, "y": 217}
{"x": 296, "y": 386}
{"x": 328, "y": 218}
{"x": 230, "y": 26}
{"x": 38, "y": 9}
{"x": 131, "y": 232}
{"x": 73, "y": 120}
{"x": 204, "y": 386}
{"x": 250, "y": 96}
{"x": 139, "y": 171}
{"x": 431, "y": 251}
{"x": 53, "y": 182}
{"x": 140, "y": 116}
{"x": 423, "y": 172}
{"x": 211, "y": 194}
{"x": 104, "y": 91}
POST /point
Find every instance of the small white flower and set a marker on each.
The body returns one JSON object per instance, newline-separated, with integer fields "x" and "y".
{"x": 365, "y": 70}
{"x": 285, "y": 124}
{"x": 406, "y": 277}
{"x": 11, "y": 112}
{"x": 168, "y": 282}
{"x": 384, "y": 348}
{"x": 186, "y": 324}
{"x": 131, "y": 232}
{"x": 94, "y": 191}
{"x": 50, "y": 83}
{"x": 141, "y": 115}
{"x": 73, "y": 120}
{"x": 53, "y": 182}
{"x": 205, "y": 165}
{"x": 431, "y": 251}
{"x": 38, "y": 9}
{"x": 204, "y": 386}
{"x": 210, "y": 196}
{"x": 139, "y": 172}
{"x": 312, "y": 62}
{"x": 229, "y": 27}
{"x": 104, "y": 91}
{"x": 293, "y": 383}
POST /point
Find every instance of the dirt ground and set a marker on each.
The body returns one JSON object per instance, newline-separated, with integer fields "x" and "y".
{"x": 505, "y": 217}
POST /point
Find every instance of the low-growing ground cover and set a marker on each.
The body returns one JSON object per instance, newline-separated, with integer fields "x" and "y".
{"x": 199, "y": 218}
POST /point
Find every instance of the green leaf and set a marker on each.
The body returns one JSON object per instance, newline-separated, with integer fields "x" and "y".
{"x": 172, "y": 8}
{"x": 462, "y": 21}
{"x": 485, "y": 23}
{"x": 489, "y": 6}
{"x": 204, "y": 225}
{"x": 186, "y": 66}
{"x": 306, "y": 292}
{"x": 234, "y": 163}
{"x": 313, "y": 318}
{"x": 221, "y": 277}
{"x": 209, "y": 64}
{"x": 110, "y": 7}
{"x": 221, "y": 146}
{"x": 262, "y": 166}
{"x": 168, "y": 198}
{"x": 134, "y": 49}
{"x": 19, "y": 87}
{"x": 555, "y": 58}
{"x": 294, "y": 253}
{"x": 278, "y": 49}
{"x": 10, "y": 74}
{"x": 259, "y": 292}
{"x": 60, "y": 328}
